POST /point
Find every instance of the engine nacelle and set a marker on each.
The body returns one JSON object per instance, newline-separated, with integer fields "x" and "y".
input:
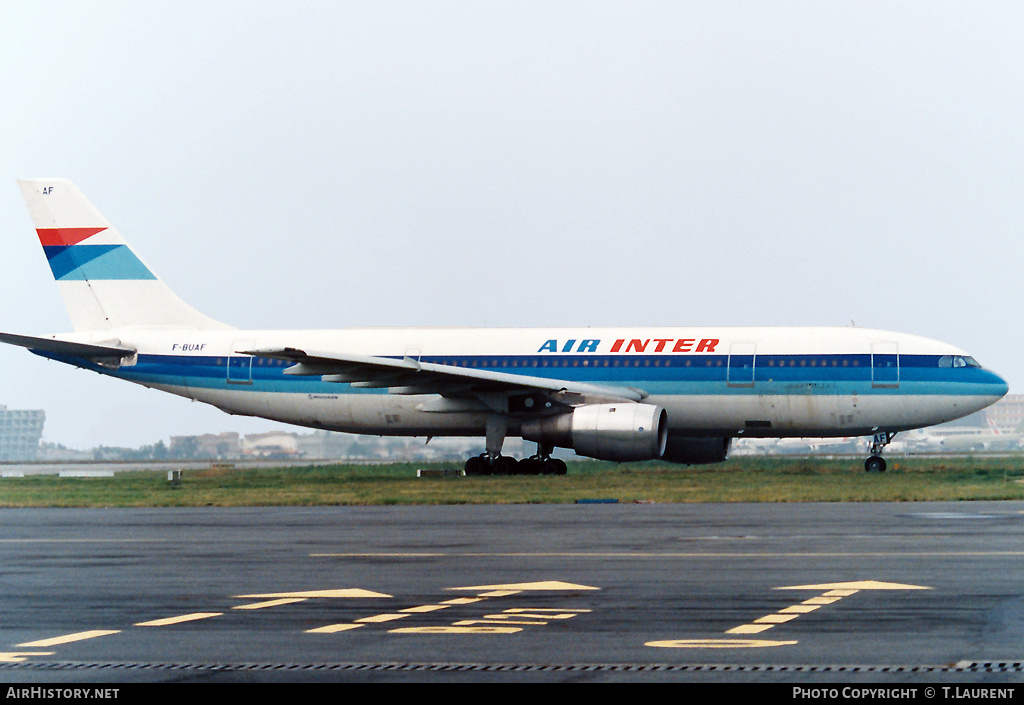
{"x": 696, "y": 451}
{"x": 620, "y": 432}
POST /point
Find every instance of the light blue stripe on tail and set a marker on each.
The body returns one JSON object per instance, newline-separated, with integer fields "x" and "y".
{"x": 95, "y": 262}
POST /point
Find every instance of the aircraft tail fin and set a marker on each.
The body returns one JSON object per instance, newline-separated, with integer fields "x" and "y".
{"x": 104, "y": 283}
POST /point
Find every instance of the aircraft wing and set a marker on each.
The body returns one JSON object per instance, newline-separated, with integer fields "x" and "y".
{"x": 410, "y": 376}
{"x": 101, "y": 354}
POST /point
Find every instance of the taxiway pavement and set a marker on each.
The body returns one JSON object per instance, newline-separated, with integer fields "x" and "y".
{"x": 880, "y": 592}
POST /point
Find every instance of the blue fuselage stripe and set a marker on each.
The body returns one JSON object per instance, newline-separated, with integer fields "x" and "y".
{"x": 656, "y": 374}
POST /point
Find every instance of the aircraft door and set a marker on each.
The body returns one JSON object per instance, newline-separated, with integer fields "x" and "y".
{"x": 885, "y": 365}
{"x": 741, "y": 364}
{"x": 240, "y": 366}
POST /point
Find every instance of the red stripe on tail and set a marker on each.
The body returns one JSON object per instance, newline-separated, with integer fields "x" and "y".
{"x": 65, "y": 236}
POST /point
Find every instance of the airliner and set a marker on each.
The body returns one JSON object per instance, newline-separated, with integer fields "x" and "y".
{"x": 679, "y": 395}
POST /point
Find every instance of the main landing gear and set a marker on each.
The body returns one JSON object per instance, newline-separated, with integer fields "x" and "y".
{"x": 504, "y": 465}
{"x": 876, "y": 463}
{"x": 492, "y": 462}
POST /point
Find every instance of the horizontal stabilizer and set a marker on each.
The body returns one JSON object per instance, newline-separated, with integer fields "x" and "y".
{"x": 97, "y": 353}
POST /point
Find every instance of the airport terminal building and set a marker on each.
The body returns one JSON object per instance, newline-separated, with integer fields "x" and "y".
{"x": 20, "y": 433}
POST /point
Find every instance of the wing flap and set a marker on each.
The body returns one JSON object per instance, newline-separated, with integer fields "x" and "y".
{"x": 409, "y": 376}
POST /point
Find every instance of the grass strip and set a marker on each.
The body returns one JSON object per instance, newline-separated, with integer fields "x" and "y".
{"x": 744, "y": 479}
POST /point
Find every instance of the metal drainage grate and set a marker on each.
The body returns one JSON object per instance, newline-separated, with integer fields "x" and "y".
{"x": 960, "y": 667}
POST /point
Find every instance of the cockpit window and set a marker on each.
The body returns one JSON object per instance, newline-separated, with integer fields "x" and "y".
{"x": 958, "y": 361}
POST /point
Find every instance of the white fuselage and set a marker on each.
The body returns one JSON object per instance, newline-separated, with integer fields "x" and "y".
{"x": 765, "y": 382}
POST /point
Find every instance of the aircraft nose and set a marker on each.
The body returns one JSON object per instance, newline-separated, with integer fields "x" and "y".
{"x": 995, "y": 384}
{"x": 1001, "y": 385}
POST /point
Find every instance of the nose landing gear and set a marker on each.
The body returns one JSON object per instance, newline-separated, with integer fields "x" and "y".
{"x": 876, "y": 463}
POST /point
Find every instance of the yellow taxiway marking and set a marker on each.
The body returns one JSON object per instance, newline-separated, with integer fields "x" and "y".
{"x": 520, "y": 587}
{"x": 750, "y": 629}
{"x": 526, "y": 616}
{"x": 387, "y": 617}
{"x": 268, "y": 600}
{"x": 522, "y": 616}
{"x": 799, "y": 609}
{"x": 69, "y": 638}
{"x": 390, "y": 616}
{"x": 520, "y": 622}
{"x": 832, "y": 592}
{"x": 857, "y": 585}
{"x": 19, "y": 656}
{"x": 494, "y": 593}
{"x": 718, "y": 643}
{"x": 545, "y": 612}
{"x": 457, "y": 630}
{"x": 821, "y": 600}
{"x": 274, "y": 599}
{"x": 470, "y": 600}
{"x": 167, "y": 621}
{"x": 511, "y": 620}
{"x": 419, "y": 609}
{"x": 345, "y": 592}
{"x": 775, "y": 618}
{"x": 269, "y": 603}
{"x": 332, "y": 628}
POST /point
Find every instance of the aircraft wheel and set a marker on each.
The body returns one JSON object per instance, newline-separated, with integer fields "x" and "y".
{"x": 504, "y": 465}
{"x": 874, "y": 464}
{"x": 553, "y": 466}
{"x": 478, "y": 465}
{"x": 530, "y": 466}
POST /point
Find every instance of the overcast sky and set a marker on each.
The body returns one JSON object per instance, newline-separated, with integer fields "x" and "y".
{"x": 332, "y": 164}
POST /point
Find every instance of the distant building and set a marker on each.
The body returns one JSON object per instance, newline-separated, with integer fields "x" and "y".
{"x": 275, "y": 444}
{"x": 1007, "y": 413}
{"x": 209, "y": 445}
{"x": 1005, "y": 416}
{"x": 20, "y": 433}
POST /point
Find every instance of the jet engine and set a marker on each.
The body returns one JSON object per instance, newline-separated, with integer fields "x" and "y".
{"x": 696, "y": 451}
{"x": 620, "y": 432}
